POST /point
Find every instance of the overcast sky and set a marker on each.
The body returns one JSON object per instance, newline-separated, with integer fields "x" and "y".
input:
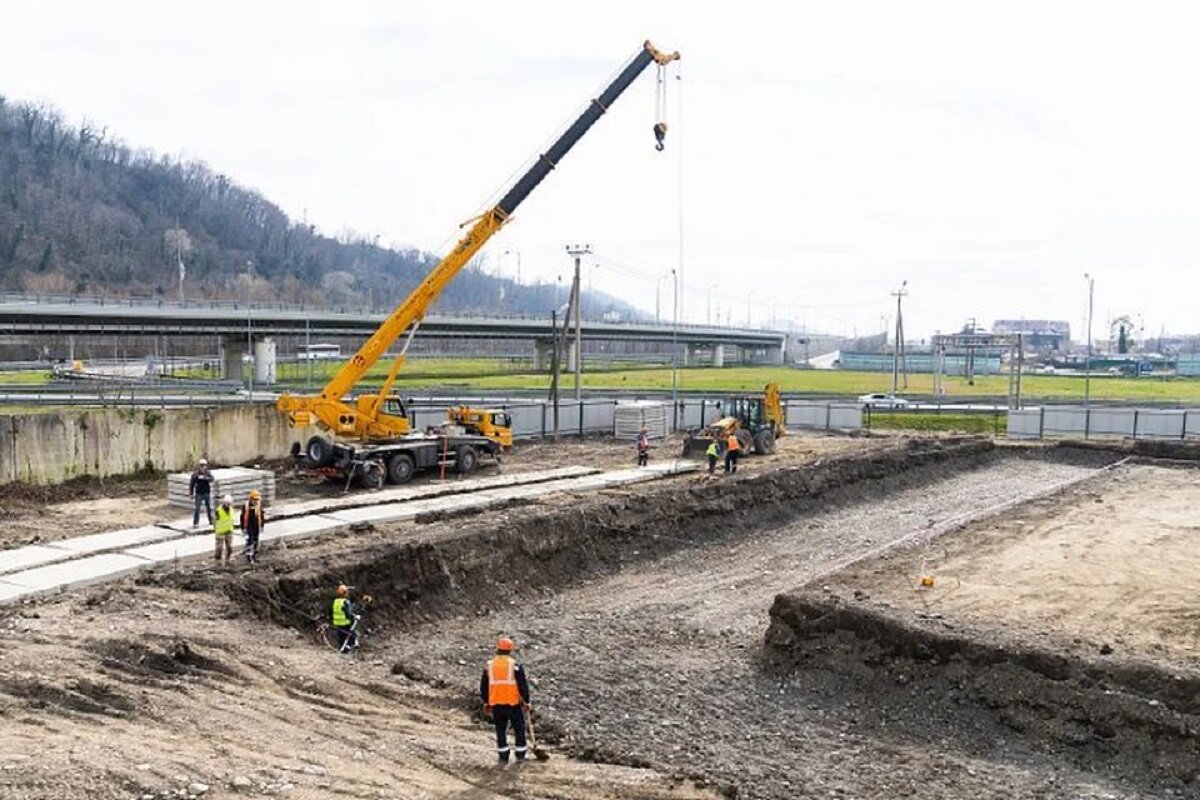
{"x": 989, "y": 154}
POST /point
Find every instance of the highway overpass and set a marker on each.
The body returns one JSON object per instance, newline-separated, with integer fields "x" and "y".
{"x": 241, "y": 323}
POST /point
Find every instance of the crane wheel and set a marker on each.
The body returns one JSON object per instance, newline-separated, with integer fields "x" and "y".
{"x": 374, "y": 475}
{"x": 319, "y": 451}
{"x": 465, "y": 459}
{"x": 400, "y": 468}
{"x": 764, "y": 442}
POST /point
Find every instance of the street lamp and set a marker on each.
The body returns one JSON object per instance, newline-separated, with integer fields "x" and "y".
{"x": 518, "y": 254}
{"x": 1087, "y": 364}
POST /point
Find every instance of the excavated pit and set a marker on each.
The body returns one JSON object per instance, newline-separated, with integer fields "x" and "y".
{"x": 461, "y": 565}
{"x": 542, "y": 570}
{"x": 1036, "y": 676}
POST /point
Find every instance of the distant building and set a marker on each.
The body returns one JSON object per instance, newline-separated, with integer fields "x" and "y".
{"x": 1053, "y": 335}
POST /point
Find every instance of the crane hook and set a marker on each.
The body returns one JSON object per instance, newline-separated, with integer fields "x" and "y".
{"x": 660, "y": 133}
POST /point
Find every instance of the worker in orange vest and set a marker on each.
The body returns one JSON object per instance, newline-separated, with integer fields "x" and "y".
{"x": 733, "y": 449}
{"x": 505, "y": 695}
{"x": 253, "y": 522}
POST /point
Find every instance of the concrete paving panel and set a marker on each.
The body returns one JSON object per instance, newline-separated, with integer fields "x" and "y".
{"x": 33, "y": 555}
{"x": 301, "y": 526}
{"x": 11, "y": 593}
{"x": 407, "y": 493}
{"x": 390, "y": 512}
{"x": 186, "y": 548}
{"x": 77, "y": 573}
{"x": 114, "y": 540}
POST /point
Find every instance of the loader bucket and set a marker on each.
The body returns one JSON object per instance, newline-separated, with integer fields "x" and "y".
{"x": 695, "y": 443}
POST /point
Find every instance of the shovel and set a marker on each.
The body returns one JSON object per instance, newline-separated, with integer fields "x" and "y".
{"x": 538, "y": 753}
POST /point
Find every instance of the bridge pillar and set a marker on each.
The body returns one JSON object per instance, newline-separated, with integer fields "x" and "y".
{"x": 690, "y": 355}
{"x": 232, "y": 351}
{"x": 572, "y": 355}
{"x": 718, "y": 355}
{"x": 541, "y": 355}
{"x": 775, "y": 355}
{"x": 264, "y": 361}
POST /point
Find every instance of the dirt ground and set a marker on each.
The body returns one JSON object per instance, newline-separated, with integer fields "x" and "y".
{"x": 32, "y": 514}
{"x": 1111, "y": 565}
{"x": 640, "y": 613}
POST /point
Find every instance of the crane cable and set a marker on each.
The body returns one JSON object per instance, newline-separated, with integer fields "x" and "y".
{"x": 660, "y": 106}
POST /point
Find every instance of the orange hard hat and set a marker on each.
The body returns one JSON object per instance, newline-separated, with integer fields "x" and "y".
{"x": 254, "y": 494}
{"x": 505, "y": 645}
{"x": 341, "y": 590}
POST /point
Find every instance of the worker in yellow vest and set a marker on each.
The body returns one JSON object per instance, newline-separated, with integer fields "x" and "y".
{"x": 344, "y": 615}
{"x": 223, "y": 530}
{"x": 712, "y": 451}
{"x": 505, "y": 695}
{"x": 733, "y": 449}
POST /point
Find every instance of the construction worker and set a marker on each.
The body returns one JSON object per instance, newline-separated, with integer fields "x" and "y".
{"x": 643, "y": 448}
{"x": 712, "y": 451}
{"x": 223, "y": 530}
{"x": 344, "y": 615}
{"x": 733, "y": 449}
{"x": 505, "y": 695}
{"x": 200, "y": 487}
{"x": 253, "y": 522}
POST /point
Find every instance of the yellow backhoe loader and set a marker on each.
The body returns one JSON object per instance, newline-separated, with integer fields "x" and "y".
{"x": 757, "y": 422}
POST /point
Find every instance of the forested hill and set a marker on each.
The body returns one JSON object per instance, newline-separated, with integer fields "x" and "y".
{"x": 83, "y": 213}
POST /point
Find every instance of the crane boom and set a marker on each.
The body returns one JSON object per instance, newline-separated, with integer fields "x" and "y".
{"x": 364, "y": 420}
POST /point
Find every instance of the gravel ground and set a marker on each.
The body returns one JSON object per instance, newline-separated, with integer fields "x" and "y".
{"x": 659, "y": 664}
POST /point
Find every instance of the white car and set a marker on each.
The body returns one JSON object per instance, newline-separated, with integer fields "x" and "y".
{"x": 883, "y": 401}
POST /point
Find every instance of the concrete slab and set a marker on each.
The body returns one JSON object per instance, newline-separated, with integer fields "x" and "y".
{"x": 186, "y": 548}
{"x": 301, "y": 526}
{"x": 388, "y": 512}
{"x": 424, "y": 491}
{"x": 184, "y": 525}
{"x": 77, "y": 573}
{"x": 32, "y": 555}
{"x": 114, "y": 540}
{"x": 11, "y": 593}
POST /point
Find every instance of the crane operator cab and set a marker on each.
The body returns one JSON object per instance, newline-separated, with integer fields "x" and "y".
{"x": 391, "y": 419}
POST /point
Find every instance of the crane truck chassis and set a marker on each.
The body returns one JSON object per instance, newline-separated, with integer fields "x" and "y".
{"x": 397, "y": 461}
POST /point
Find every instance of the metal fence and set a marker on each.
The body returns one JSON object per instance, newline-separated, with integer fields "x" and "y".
{"x": 1104, "y": 422}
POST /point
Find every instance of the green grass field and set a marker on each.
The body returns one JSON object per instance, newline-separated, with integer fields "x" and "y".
{"x": 833, "y": 382}
{"x": 986, "y": 424}
{"x": 27, "y": 378}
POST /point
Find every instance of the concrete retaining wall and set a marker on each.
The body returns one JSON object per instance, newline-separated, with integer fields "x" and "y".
{"x": 49, "y": 448}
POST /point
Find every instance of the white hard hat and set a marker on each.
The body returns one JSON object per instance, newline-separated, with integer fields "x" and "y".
{"x": 227, "y": 498}
{"x": 203, "y": 462}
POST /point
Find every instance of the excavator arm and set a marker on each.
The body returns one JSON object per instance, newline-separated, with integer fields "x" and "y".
{"x": 328, "y": 409}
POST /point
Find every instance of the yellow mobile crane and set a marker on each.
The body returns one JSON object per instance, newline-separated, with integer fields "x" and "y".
{"x": 379, "y": 421}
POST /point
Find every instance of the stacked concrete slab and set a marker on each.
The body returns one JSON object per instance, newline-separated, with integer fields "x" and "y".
{"x": 630, "y": 418}
{"x": 235, "y": 481}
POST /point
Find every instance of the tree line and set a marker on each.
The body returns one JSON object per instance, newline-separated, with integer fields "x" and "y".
{"x": 81, "y": 212}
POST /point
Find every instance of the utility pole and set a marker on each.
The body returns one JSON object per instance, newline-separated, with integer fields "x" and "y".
{"x": 898, "y": 353}
{"x": 1087, "y": 364}
{"x": 675, "y": 352}
{"x": 578, "y": 251}
{"x": 554, "y": 366}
